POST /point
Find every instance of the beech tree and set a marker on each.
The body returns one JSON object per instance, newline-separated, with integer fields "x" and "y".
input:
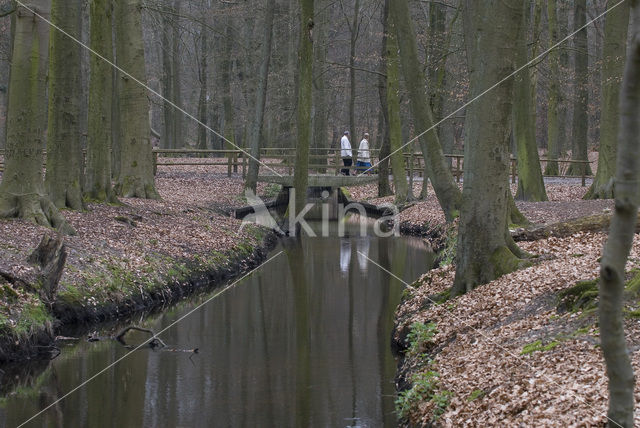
{"x": 580, "y": 123}
{"x": 436, "y": 167}
{"x": 261, "y": 98}
{"x": 530, "y": 182}
{"x": 615, "y": 41}
{"x": 618, "y": 246}
{"x": 173, "y": 119}
{"x": 135, "y": 178}
{"x": 485, "y": 250}
{"x": 305, "y": 96}
{"x": 204, "y": 89}
{"x": 553, "y": 101}
{"x": 64, "y": 152}
{"x": 21, "y": 190}
{"x": 98, "y": 169}
{"x": 390, "y": 40}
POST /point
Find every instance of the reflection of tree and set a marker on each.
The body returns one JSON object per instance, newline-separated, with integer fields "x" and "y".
{"x": 295, "y": 257}
{"x": 385, "y": 319}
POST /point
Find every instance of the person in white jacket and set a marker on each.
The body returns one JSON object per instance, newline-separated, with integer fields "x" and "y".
{"x": 364, "y": 157}
{"x": 346, "y": 153}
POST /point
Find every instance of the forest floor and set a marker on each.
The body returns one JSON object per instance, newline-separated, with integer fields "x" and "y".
{"x": 522, "y": 350}
{"x": 126, "y": 258}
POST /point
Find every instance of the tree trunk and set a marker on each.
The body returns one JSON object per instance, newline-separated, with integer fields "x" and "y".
{"x": 320, "y": 109}
{"x": 436, "y": 59}
{"x": 618, "y": 246}
{"x": 115, "y": 115}
{"x": 355, "y": 30}
{"x": 226, "y": 64}
{"x": 615, "y": 42}
{"x": 530, "y": 182}
{"x": 203, "y": 99}
{"x": 5, "y": 70}
{"x": 564, "y": 122}
{"x": 98, "y": 174}
{"x": 553, "y": 124}
{"x": 483, "y": 252}
{"x": 168, "y": 110}
{"x": 580, "y": 124}
{"x": 436, "y": 167}
{"x": 135, "y": 177}
{"x": 305, "y": 95}
{"x": 384, "y": 188}
{"x": 21, "y": 190}
{"x": 261, "y": 98}
{"x": 403, "y": 193}
{"x": 64, "y": 153}
{"x": 176, "y": 86}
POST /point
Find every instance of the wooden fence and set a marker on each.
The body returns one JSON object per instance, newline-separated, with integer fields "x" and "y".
{"x": 321, "y": 161}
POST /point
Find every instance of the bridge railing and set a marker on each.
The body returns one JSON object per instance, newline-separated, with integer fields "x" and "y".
{"x": 321, "y": 161}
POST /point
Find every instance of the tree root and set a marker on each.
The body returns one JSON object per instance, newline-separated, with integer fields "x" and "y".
{"x": 34, "y": 208}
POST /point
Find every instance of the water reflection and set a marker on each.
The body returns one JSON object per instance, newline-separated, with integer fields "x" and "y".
{"x": 299, "y": 343}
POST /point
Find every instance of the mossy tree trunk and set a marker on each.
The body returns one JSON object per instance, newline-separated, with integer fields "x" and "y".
{"x": 64, "y": 152}
{"x": 305, "y": 96}
{"x": 530, "y": 182}
{"x": 403, "y": 193}
{"x": 261, "y": 98}
{"x": 98, "y": 171}
{"x": 553, "y": 124}
{"x": 483, "y": 251}
{"x": 384, "y": 187}
{"x": 618, "y": 246}
{"x": 21, "y": 190}
{"x": 580, "y": 123}
{"x": 436, "y": 167}
{"x": 135, "y": 178}
{"x": 615, "y": 42}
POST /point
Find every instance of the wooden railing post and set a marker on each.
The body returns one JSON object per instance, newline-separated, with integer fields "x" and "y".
{"x": 229, "y": 162}
{"x": 244, "y": 166}
{"x": 458, "y": 170}
{"x": 155, "y": 162}
{"x": 411, "y": 171}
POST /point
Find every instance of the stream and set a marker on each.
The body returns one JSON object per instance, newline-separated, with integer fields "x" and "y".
{"x": 303, "y": 341}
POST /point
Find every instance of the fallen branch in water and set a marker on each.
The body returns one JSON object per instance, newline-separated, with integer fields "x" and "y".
{"x": 154, "y": 343}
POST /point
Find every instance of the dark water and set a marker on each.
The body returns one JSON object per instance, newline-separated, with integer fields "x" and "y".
{"x": 302, "y": 342}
